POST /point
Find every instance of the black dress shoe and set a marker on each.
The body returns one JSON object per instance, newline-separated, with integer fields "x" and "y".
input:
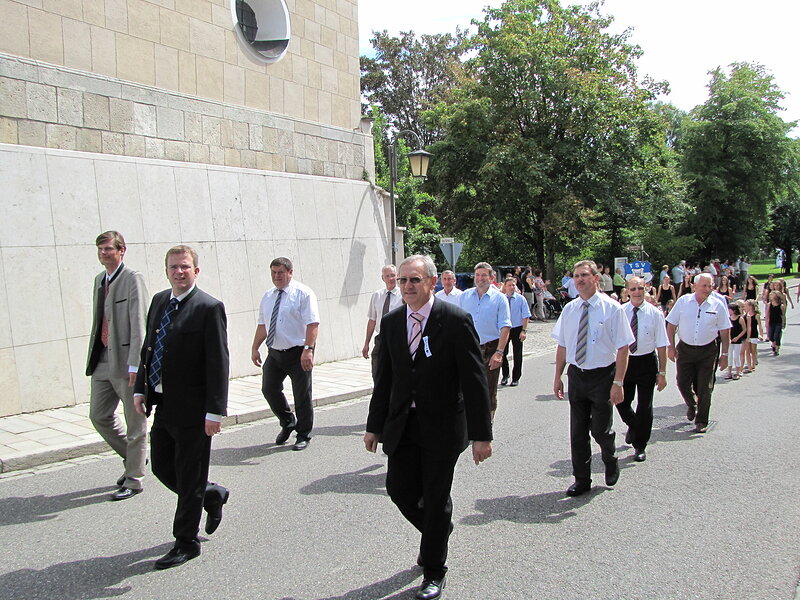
{"x": 214, "y": 517}
{"x": 514, "y": 382}
{"x": 284, "y": 434}
{"x": 301, "y": 444}
{"x": 640, "y": 456}
{"x": 691, "y": 413}
{"x": 578, "y": 488}
{"x": 121, "y": 480}
{"x": 504, "y": 381}
{"x": 612, "y": 473}
{"x": 124, "y": 493}
{"x": 176, "y": 556}
{"x": 431, "y": 589}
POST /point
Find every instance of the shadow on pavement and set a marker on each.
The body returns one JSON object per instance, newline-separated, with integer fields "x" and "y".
{"x": 549, "y": 507}
{"x": 363, "y": 481}
{"x": 380, "y": 589}
{"x": 81, "y": 579}
{"x": 30, "y": 509}
{"x": 245, "y": 456}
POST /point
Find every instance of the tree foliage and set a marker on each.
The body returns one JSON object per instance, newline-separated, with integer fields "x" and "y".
{"x": 736, "y": 159}
{"x": 551, "y": 136}
{"x": 409, "y": 75}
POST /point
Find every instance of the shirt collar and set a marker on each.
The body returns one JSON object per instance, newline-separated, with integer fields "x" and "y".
{"x": 425, "y": 309}
{"x": 114, "y": 274}
{"x": 183, "y": 296}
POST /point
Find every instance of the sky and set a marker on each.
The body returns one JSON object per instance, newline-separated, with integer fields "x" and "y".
{"x": 681, "y": 39}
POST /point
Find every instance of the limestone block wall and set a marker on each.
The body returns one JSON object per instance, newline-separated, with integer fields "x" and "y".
{"x": 189, "y": 47}
{"x": 55, "y": 202}
{"x": 58, "y": 107}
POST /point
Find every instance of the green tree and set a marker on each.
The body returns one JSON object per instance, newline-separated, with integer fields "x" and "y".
{"x": 550, "y": 138}
{"x": 409, "y": 75}
{"x": 735, "y": 159}
{"x": 784, "y": 231}
{"x": 413, "y": 207}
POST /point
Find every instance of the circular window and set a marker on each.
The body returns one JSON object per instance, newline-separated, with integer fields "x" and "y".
{"x": 262, "y": 28}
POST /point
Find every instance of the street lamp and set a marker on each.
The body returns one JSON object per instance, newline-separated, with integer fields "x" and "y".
{"x": 418, "y": 161}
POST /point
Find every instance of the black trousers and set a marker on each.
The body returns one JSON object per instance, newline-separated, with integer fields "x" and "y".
{"x": 180, "y": 456}
{"x": 278, "y": 365}
{"x": 590, "y": 412}
{"x": 418, "y": 481}
{"x": 695, "y": 376}
{"x": 516, "y": 343}
{"x": 640, "y": 382}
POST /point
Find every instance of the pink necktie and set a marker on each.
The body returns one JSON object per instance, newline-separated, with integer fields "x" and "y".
{"x": 415, "y": 334}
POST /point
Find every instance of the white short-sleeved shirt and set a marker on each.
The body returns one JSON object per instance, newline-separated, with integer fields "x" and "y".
{"x": 377, "y": 301}
{"x": 652, "y": 331}
{"x": 454, "y": 297}
{"x": 489, "y": 312}
{"x": 699, "y": 324}
{"x": 571, "y": 289}
{"x": 609, "y": 330}
{"x": 298, "y": 309}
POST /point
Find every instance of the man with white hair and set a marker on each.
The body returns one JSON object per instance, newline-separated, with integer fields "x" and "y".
{"x": 698, "y": 319}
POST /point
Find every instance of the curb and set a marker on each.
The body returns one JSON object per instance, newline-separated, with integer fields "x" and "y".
{"x": 31, "y": 460}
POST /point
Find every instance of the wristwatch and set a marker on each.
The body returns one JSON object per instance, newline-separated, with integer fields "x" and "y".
{"x": 662, "y": 373}
{"x": 618, "y": 382}
{"x": 307, "y": 347}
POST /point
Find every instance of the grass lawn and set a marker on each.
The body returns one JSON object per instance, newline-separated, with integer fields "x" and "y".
{"x": 761, "y": 268}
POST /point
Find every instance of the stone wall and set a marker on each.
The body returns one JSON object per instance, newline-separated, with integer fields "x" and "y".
{"x": 189, "y": 47}
{"x": 55, "y": 202}
{"x": 57, "y": 107}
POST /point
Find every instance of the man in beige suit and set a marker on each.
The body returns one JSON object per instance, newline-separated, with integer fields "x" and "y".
{"x": 118, "y": 325}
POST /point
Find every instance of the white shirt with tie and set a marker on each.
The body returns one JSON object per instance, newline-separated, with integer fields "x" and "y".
{"x": 652, "y": 331}
{"x": 376, "y": 302}
{"x": 609, "y": 330}
{"x": 298, "y": 309}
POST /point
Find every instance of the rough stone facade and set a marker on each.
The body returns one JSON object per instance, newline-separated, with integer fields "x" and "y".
{"x": 145, "y": 116}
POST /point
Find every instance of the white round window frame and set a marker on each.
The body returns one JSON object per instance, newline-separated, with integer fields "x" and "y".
{"x": 244, "y": 43}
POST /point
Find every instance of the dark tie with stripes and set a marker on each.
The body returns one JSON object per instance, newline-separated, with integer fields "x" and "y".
{"x": 154, "y": 376}
{"x": 635, "y": 329}
{"x": 583, "y": 335}
{"x": 273, "y": 320}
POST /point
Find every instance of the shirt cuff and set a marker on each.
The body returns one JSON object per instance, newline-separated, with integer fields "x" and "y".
{"x": 215, "y": 418}
{"x": 132, "y": 369}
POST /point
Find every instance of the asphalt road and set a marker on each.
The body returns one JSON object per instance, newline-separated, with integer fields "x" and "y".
{"x": 712, "y": 516}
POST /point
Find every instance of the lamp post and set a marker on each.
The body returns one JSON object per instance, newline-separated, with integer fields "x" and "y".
{"x": 418, "y": 161}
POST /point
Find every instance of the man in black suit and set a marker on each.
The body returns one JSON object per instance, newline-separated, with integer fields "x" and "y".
{"x": 184, "y": 373}
{"x": 431, "y": 397}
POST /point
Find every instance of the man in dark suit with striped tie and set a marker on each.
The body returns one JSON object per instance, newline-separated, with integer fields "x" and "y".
{"x": 184, "y": 374}
{"x": 431, "y": 397}
{"x": 593, "y": 335}
{"x": 288, "y": 321}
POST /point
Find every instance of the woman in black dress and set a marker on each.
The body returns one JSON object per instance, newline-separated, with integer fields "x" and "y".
{"x": 665, "y": 293}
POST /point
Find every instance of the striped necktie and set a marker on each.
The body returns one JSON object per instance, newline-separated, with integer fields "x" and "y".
{"x": 635, "y": 329}
{"x": 583, "y": 335}
{"x": 154, "y": 375}
{"x": 273, "y": 320}
{"x": 415, "y": 334}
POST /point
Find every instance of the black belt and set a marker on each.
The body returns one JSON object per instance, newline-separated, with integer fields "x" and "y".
{"x": 286, "y": 350}
{"x": 702, "y": 346}
{"x": 648, "y": 355}
{"x": 593, "y": 371}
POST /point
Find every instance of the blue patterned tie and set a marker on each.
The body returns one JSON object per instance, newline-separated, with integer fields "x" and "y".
{"x": 273, "y": 320}
{"x": 583, "y": 331}
{"x": 154, "y": 377}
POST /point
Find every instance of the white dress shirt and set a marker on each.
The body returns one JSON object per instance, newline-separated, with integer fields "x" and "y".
{"x": 453, "y": 297}
{"x": 489, "y": 312}
{"x": 298, "y": 309}
{"x": 652, "y": 331}
{"x": 699, "y": 324}
{"x": 609, "y": 330}
{"x": 376, "y": 302}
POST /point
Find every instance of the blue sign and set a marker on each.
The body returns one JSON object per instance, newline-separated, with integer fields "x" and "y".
{"x": 638, "y": 268}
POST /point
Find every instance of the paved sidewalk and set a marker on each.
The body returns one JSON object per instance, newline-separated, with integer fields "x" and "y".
{"x": 33, "y": 439}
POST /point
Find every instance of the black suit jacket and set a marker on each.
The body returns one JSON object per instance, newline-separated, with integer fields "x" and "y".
{"x": 195, "y": 367}
{"x": 449, "y": 387}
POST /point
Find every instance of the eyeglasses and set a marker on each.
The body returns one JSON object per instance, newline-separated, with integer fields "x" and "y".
{"x": 636, "y": 289}
{"x": 412, "y": 280}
